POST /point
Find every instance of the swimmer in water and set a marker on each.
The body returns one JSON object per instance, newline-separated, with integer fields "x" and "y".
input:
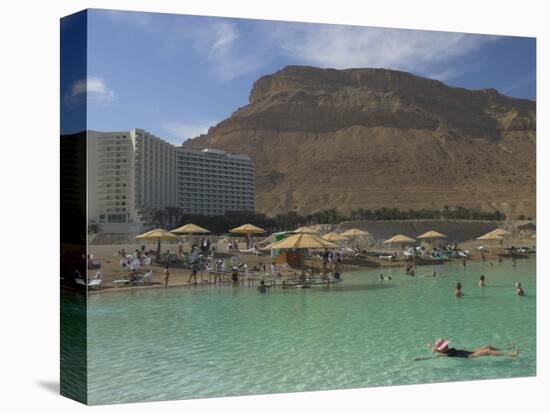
{"x": 262, "y": 288}
{"x": 458, "y": 290}
{"x": 519, "y": 290}
{"x": 441, "y": 347}
{"x": 481, "y": 282}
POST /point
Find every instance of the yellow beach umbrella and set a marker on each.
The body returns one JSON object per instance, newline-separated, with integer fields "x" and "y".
{"x": 305, "y": 230}
{"x": 432, "y": 234}
{"x": 354, "y": 233}
{"x": 158, "y": 235}
{"x": 399, "y": 238}
{"x": 490, "y": 236}
{"x": 303, "y": 241}
{"x": 500, "y": 232}
{"x": 190, "y": 229}
{"x": 334, "y": 237}
{"x": 247, "y": 229}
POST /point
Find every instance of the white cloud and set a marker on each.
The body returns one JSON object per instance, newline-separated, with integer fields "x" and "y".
{"x": 218, "y": 43}
{"x": 94, "y": 88}
{"x": 524, "y": 80}
{"x": 183, "y": 130}
{"x": 342, "y": 47}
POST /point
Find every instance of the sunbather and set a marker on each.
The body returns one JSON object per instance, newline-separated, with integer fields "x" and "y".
{"x": 441, "y": 347}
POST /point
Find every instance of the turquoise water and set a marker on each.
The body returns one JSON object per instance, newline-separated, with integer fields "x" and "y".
{"x": 218, "y": 341}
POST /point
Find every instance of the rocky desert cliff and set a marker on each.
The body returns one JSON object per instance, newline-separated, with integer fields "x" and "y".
{"x": 371, "y": 138}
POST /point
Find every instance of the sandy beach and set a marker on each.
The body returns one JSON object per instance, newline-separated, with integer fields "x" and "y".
{"x": 109, "y": 259}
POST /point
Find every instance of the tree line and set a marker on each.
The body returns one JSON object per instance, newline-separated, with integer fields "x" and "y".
{"x": 172, "y": 217}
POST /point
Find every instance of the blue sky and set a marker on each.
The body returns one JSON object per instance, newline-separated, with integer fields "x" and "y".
{"x": 177, "y": 75}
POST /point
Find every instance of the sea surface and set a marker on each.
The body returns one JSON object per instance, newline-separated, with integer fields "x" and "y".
{"x": 213, "y": 341}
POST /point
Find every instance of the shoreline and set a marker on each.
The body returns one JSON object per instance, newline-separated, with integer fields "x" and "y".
{"x": 183, "y": 274}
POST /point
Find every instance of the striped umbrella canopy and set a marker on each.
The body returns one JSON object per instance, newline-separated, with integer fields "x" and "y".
{"x": 303, "y": 241}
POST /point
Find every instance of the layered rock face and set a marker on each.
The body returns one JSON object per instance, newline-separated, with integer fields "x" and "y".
{"x": 371, "y": 138}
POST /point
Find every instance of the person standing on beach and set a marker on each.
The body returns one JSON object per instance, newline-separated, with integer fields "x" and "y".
{"x": 458, "y": 290}
{"x": 166, "y": 276}
{"x": 193, "y": 275}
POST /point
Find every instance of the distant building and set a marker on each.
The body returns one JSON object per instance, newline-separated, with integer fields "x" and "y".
{"x": 131, "y": 173}
{"x": 213, "y": 182}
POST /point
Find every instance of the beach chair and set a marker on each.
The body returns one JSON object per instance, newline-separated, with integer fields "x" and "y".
{"x": 148, "y": 277}
{"x": 95, "y": 283}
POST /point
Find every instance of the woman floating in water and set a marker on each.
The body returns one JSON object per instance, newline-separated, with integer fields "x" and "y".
{"x": 441, "y": 347}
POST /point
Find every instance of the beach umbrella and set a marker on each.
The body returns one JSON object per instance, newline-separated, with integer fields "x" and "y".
{"x": 190, "y": 229}
{"x": 305, "y": 230}
{"x": 303, "y": 241}
{"x": 500, "y": 232}
{"x": 354, "y": 233}
{"x": 334, "y": 237}
{"x": 432, "y": 235}
{"x": 490, "y": 237}
{"x": 248, "y": 230}
{"x": 158, "y": 235}
{"x": 399, "y": 239}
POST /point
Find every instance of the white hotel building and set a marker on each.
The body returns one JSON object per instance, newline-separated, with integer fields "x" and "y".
{"x": 134, "y": 172}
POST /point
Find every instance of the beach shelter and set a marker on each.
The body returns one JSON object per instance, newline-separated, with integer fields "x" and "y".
{"x": 432, "y": 235}
{"x": 158, "y": 235}
{"x": 190, "y": 229}
{"x": 399, "y": 239}
{"x": 248, "y": 230}
{"x": 500, "y": 232}
{"x": 490, "y": 237}
{"x": 303, "y": 241}
{"x": 354, "y": 233}
{"x": 299, "y": 242}
{"x": 334, "y": 237}
{"x": 305, "y": 230}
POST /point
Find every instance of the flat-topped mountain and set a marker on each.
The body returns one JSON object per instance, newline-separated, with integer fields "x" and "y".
{"x": 371, "y": 138}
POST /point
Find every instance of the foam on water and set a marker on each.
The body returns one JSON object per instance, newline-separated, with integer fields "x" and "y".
{"x": 218, "y": 341}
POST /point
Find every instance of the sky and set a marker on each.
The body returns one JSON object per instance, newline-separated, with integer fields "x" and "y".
{"x": 178, "y": 75}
